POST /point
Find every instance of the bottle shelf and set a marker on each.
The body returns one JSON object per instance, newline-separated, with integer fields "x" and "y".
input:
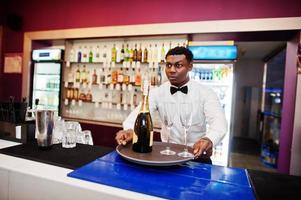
{"x": 213, "y": 83}
{"x": 47, "y": 90}
{"x": 47, "y": 74}
{"x": 118, "y": 84}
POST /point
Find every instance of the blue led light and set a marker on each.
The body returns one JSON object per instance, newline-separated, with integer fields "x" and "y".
{"x": 214, "y": 52}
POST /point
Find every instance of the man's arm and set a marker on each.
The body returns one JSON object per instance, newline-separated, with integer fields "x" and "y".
{"x": 215, "y": 118}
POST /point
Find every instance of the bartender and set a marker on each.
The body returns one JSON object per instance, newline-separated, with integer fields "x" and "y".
{"x": 209, "y": 124}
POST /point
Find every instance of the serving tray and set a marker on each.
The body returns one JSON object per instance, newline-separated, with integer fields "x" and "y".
{"x": 154, "y": 158}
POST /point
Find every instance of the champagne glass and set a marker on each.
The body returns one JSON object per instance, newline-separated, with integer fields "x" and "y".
{"x": 186, "y": 121}
{"x": 168, "y": 120}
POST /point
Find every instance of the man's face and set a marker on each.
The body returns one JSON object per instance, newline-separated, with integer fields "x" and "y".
{"x": 177, "y": 68}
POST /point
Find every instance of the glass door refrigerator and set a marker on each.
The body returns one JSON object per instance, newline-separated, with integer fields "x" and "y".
{"x": 213, "y": 67}
{"x": 46, "y": 79}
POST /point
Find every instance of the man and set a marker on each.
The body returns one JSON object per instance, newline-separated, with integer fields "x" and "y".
{"x": 206, "y": 107}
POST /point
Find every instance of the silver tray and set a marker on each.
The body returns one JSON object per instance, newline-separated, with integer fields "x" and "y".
{"x": 154, "y": 158}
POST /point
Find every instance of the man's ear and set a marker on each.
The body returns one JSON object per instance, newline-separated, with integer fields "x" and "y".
{"x": 190, "y": 66}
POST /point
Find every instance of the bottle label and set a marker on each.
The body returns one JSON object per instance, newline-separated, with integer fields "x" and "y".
{"x": 135, "y": 138}
{"x": 151, "y": 138}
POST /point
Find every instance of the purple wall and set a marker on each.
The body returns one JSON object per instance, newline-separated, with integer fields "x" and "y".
{"x": 288, "y": 110}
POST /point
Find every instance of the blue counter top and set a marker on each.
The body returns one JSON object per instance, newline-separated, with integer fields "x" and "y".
{"x": 186, "y": 181}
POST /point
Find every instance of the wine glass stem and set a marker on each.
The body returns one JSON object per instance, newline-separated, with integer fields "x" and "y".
{"x": 167, "y": 135}
{"x": 185, "y": 139}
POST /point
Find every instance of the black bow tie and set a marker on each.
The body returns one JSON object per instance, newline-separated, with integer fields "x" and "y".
{"x": 182, "y": 89}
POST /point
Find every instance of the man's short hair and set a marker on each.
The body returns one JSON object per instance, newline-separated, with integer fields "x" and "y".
{"x": 180, "y": 51}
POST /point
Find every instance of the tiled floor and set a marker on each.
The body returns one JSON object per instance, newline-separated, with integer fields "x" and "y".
{"x": 248, "y": 162}
{"x": 245, "y": 153}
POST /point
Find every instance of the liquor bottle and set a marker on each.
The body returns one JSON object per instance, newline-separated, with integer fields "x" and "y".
{"x": 71, "y": 55}
{"x": 70, "y": 78}
{"x": 77, "y": 75}
{"x": 150, "y": 54}
{"x": 139, "y": 54}
{"x": 84, "y": 75}
{"x": 85, "y": 54}
{"x": 114, "y": 53}
{"x": 155, "y": 54}
{"x": 71, "y": 92}
{"x": 122, "y": 54}
{"x": 132, "y": 76}
{"x": 75, "y": 94}
{"x": 104, "y": 53}
{"x": 138, "y": 78}
{"x": 114, "y": 76}
{"x": 127, "y": 53}
{"x": 97, "y": 54}
{"x": 153, "y": 77}
{"x": 117, "y": 55}
{"x": 89, "y": 96}
{"x": 126, "y": 77}
{"x": 102, "y": 77}
{"x": 143, "y": 129}
{"x": 170, "y": 46}
{"x": 94, "y": 78}
{"x": 109, "y": 76}
{"x": 79, "y": 54}
{"x": 82, "y": 96}
{"x": 159, "y": 77}
{"x": 135, "y": 54}
{"x": 120, "y": 76}
{"x": 68, "y": 93}
{"x": 162, "y": 53}
{"x": 145, "y": 55}
{"x": 90, "y": 55}
{"x": 131, "y": 54}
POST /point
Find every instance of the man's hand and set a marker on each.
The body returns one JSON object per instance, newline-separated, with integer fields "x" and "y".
{"x": 203, "y": 148}
{"x": 124, "y": 136}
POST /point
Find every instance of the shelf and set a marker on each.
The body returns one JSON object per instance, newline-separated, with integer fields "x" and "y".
{"x": 117, "y": 63}
{"x": 271, "y": 114}
{"x": 47, "y": 74}
{"x": 45, "y": 90}
{"x": 213, "y": 83}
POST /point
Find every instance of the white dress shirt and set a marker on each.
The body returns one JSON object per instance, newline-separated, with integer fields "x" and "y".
{"x": 208, "y": 118}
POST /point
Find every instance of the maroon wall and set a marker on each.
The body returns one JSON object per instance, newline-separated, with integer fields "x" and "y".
{"x": 57, "y": 14}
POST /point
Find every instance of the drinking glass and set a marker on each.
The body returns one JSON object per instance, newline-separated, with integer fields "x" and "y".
{"x": 168, "y": 120}
{"x": 70, "y": 134}
{"x": 185, "y": 114}
{"x": 87, "y": 137}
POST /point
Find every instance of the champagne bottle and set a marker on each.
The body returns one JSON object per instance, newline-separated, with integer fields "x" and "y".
{"x": 143, "y": 129}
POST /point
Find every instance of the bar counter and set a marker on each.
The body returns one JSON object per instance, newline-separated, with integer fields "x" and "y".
{"x": 40, "y": 178}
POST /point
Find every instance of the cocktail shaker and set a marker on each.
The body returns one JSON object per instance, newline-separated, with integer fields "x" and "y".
{"x": 44, "y": 128}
